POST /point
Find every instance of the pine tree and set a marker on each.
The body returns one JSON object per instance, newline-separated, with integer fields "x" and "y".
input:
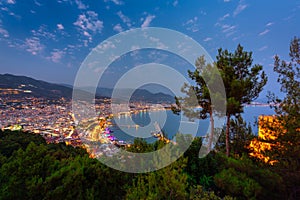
{"x": 243, "y": 82}
{"x": 287, "y": 144}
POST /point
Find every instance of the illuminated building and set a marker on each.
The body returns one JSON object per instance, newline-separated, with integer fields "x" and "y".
{"x": 268, "y": 130}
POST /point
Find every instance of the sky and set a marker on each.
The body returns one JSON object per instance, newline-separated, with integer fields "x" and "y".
{"x": 49, "y": 39}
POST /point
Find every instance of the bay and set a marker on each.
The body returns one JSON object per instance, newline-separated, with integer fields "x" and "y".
{"x": 140, "y": 125}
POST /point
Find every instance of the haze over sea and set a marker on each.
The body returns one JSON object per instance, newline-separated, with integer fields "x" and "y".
{"x": 128, "y": 132}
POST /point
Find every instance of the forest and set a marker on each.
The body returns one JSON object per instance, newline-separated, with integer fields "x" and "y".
{"x": 32, "y": 169}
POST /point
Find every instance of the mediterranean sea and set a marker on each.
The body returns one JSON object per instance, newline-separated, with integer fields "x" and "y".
{"x": 140, "y": 125}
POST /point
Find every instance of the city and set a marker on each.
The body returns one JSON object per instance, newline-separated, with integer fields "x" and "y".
{"x": 150, "y": 100}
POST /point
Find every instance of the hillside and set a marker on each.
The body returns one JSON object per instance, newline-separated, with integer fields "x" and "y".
{"x": 26, "y": 86}
{"x": 22, "y": 86}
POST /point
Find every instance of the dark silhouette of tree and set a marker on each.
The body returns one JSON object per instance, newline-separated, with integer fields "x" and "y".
{"x": 243, "y": 82}
{"x": 286, "y": 148}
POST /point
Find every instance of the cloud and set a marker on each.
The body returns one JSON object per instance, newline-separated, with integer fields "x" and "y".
{"x": 4, "y": 32}
{"x": 43, "y": 32}
{"x": 158, "y": 43}
{"x": 226, "y": 1}
{"x": 80, "y": 5}
{"x": 203, "y": 12}
{"x": 37, "y": 3}
{"x": 118, "y": 28}
{"x": 207, "y": 39}
{"x": 175, "y": 3}
{"x": 227, "y": 28}
{"x": 105, "y": 46}
{"x": 147, "y": 21}
{"x": 56, "y": 55}
{"x": 242, "y": 6}
{"x": 85, "y": 33}
{"x": 264, "y": 32}
{"x": 117, "y": 2}
{"x": 224, "y": 17}
{"x": 289, "y": 17}
{"x": 33, "y": 45}
{"x": 60, "y": 27}
{"x": 124, "y": 19}
{"x": 263, "y": 48}
{"x": 89, "y": 23}
{"x": 11, "y": 1}
{"x": 192, "y": 24}
{"x": 269, "y": 24}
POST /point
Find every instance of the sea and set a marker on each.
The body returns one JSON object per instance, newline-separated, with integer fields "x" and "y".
{"x": 143, "y": 124}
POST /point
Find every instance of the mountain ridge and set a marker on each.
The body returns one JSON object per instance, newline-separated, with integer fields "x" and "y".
{"x": 39, "y": 88}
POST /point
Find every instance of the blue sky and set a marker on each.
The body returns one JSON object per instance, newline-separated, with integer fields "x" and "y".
{"x": 48, "y": 39}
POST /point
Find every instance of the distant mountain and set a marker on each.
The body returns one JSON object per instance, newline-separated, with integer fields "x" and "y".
{"x": 26, "y": 86}
{"x": 137, "y": 95}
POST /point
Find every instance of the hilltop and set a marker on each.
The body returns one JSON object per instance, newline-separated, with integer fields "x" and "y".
{"x": 23, "y": 86}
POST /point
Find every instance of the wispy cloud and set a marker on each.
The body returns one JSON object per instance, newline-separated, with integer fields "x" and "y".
{"x": 118, "y": 28}
{"x": 37, "y": 3}
{"x": 105, "y": 46}
{"x": 175, "y": 3}
{"x": 240, "y": 8}
{"x": 80, "y": 5}
{"x": 56, "y": 55}
{"x": 89, "y": 23}
{"x": 117, "y": 2}
{"x": 264, "y": 32}
{"x": 124, "y": 19}
{"x": 207, "y": 39}
{"x": 270, "y": 24}
{"x": 42, "y": 32}
{"x": 263, "y": 48}
{"x": 11, "y": 1}
{"x": 4, "y": 32}
{"x": 192, "y": 24}
{"x": 147, "y": 21}
{"x": 33, "y": 45}
{"x": 227, "y": 29}
{"x": 224, "y": 17}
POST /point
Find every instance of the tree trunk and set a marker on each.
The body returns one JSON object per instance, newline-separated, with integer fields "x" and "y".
{"x": 227, "y": 135}
{"x": 212, "y": 129}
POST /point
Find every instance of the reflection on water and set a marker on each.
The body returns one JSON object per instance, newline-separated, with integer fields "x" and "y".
{"x": 141, "y": 125}
{"x": 168, "y": 122}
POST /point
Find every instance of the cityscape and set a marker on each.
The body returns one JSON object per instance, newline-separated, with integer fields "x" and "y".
{"x": 152, "y": 100}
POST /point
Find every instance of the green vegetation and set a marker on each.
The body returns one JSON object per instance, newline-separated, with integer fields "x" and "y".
{"x": 243, "y": 81}
{"x": 288, "y": 111}
{"x": 32, "y": 169}
{"x": 37, "y": 170}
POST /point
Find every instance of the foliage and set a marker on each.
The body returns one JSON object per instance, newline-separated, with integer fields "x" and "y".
{"x": 140, "y": 146}
{"x": 243, "y": 179}
{"x": 55, "y": 171}
{"x": 167, "y": 183}
{"x": 287, "y": 150}
{"x": 203, "y": 92}
{"x": 242, "y": 79}
{"x": 240, "y": 137}
{"x": 197, "y": 193}
{"x": 11, "y": 141}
